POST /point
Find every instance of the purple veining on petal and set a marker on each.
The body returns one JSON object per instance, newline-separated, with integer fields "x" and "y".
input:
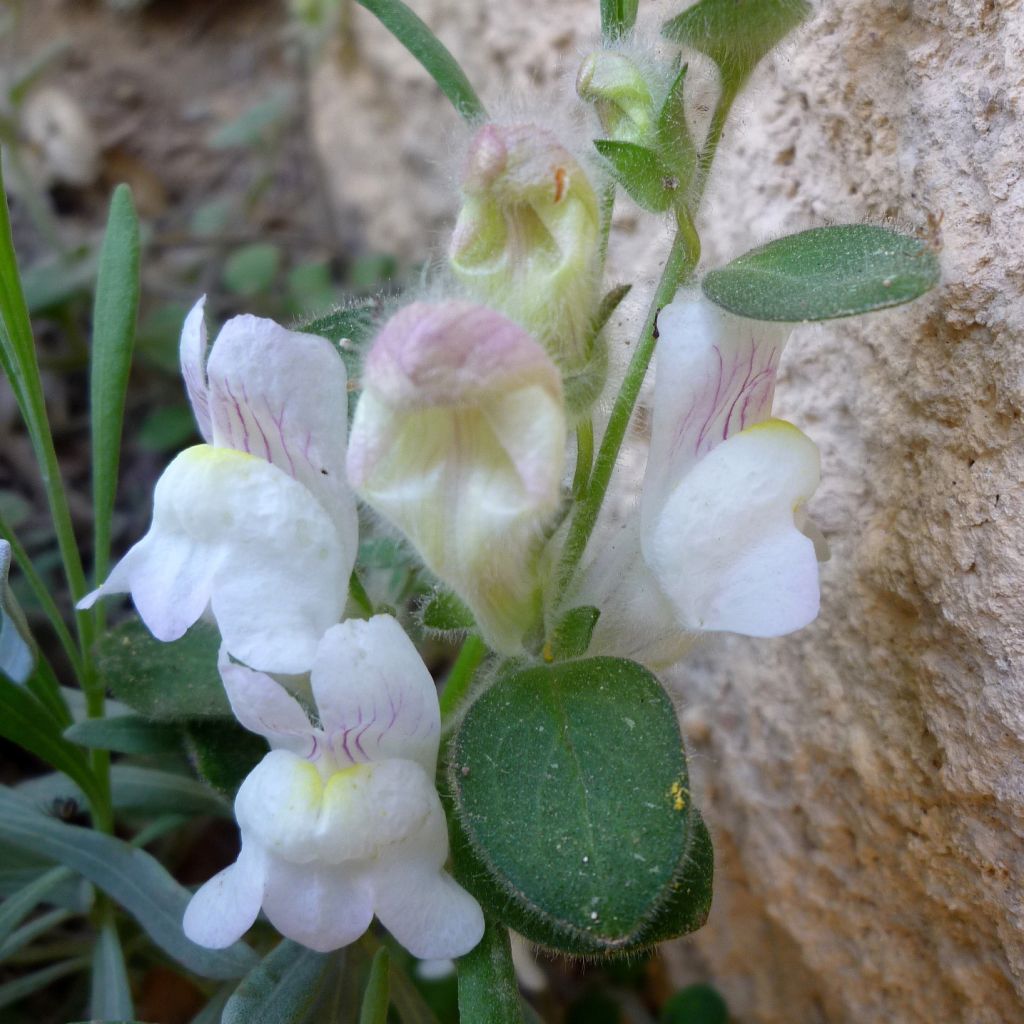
{"x": 278, "y": 422}
{"x": 312, "y": 755}
{"x": 359, "y": 738}
{"x": 241, "y": 418}
{"x": 256, "y": 420}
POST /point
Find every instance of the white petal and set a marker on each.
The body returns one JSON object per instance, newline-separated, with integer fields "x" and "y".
{"x": 715, "y": 376}
{"x": 375, "y": 696}
{"x": 319, "y": 906}
{"x": 264, "y": 707}
{"x": 236, "y": 533}
{"x": 425, "y": 909}
{"x": 192, "y": 353}
{"x": 224, "y": 909}
{"x": 726, "y": 549}
{"x": 282, "y": 395}
{"x": 278, "y": 806}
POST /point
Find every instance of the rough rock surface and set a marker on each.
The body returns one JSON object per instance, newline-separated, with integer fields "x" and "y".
{"x": 864, "y": 779}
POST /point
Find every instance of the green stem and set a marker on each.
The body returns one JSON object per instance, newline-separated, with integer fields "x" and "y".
{"x": 584, "y": 457}
{"x": 607, "y": 209}
{"x": 681, "y": 262}
{"x": 682, "y": 258}
{"x": 488, "y": 993}
{"x": 358, "y": 593}
{"x": 473, "y": 652}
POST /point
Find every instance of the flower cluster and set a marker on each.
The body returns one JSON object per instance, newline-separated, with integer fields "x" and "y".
{"x": 459, "y": 442}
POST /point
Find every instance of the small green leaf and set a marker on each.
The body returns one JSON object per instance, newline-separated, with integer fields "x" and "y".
{"x": 412, "y": 32}
{"x": 573, "y": 823}
{"x": 376, "y": 997}
{"x": 825, "y": 273}
{"x": 641, "y": 172}
{"x": 113, "y": 335}
{"x": 571, "y": 637}
{"x": 695, "y": 1004}
{"x": 111, "y": 998}
{"x": 617, "y": 17}
{"x": 736, "y": 34}
{"x": 126, "y": 734}
{"x": 281, "y": 989}
{"x": 675, "y": 144}
{"x": 165, "y": 682}
{"x": 223, "y": 753}
{"x": 251, "y": 269}
{"x": 444, "y": 612}
{"x": 130, "y": 877}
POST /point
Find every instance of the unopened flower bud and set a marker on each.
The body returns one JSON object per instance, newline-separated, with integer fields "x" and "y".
{"x": 527, "y": 238}
{"x": 619, "y": 93}
{"x": 459, "y": 440}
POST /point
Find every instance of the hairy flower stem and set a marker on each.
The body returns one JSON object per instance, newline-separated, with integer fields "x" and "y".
{"x": 473, "y": 651}
{"x": 584, "y": 457}
{"x": 680, "y": 264}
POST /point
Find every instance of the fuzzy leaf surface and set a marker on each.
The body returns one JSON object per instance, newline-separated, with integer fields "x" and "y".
{"x": 825, "y": 273}
{"x": 573, "y": 819}
{"x": 164, "y": 682}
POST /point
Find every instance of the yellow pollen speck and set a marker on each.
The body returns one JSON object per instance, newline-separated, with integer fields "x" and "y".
{"x": 678, "y": 796}
{"x": 547, "y": 653}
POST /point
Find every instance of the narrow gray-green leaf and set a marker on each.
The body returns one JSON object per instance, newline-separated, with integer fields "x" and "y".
{"x": 825, "y": 273}
{"x": 281, "y": 989}
{"x": 16, "y": 657}
{"x": 134, "y": 788}
{"x": 376, "y": 997}
{"x": 25, "y": 721}
{"x": 617, "y": 17}
{"x": 736, "y": 34}
{"x": 110, "y": 996}
{"x": 165, "y": 682}
{"x": 642, "y": 173}
{"x": 113, "y": 335}
{"x": 28, "y": 933}
{"x": 16, "y": 907}
{"x": 412, "y": 32}
{"x": 28, "y": 984}
{"x": 126, "y": 734}
{"x": 132, "y": 878}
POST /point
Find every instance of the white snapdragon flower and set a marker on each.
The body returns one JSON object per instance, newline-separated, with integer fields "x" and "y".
{"x": 341, "y": 820}
{"x": 257, "y": 525}
{"x": 459, "y": 440}
{"x": 720, "y": 542}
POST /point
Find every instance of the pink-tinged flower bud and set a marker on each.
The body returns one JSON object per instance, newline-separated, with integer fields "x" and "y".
{"x": 527, "y": 238}
{"x": 619, "y": 93}
{"x": 459, "y": 440}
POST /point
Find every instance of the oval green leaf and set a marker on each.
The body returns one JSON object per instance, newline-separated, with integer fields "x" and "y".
{"x": 825, "y": 273}
{"x": 574, "y": 824}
